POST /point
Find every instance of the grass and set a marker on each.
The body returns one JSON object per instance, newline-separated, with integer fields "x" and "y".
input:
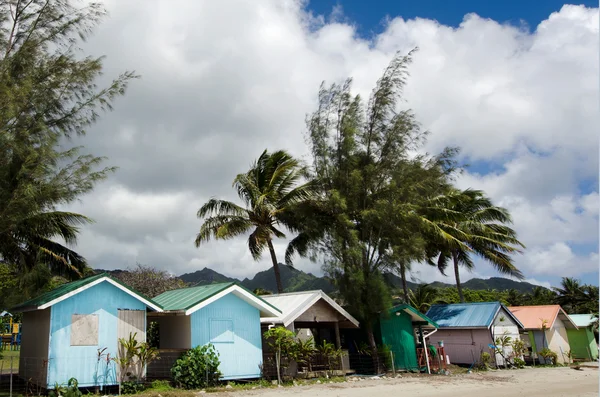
{"x": 5, "y": 360}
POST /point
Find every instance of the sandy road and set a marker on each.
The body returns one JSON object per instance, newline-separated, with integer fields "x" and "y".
{"x": 542, "y": 382}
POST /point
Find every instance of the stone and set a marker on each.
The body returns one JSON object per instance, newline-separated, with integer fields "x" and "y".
{"x": 274, "y": 382}
{"x": 318, "y": 382}
{"x": 253, "y": 387}
{"x": 375, "y": 377}
{"x": 229, "y": 386}
{"x": 295, "y": 383}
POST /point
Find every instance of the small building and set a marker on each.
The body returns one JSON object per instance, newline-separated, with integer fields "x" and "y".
{"x": 226, "y": 315}
{"x": 312, "y": 314}
{"x": 66, "y": 329}
{"x": 310, "y": 310}
{"x": 545, "y": 326}
{"x": 469, "y": 329}
{"x": 402, "y": 330}
{"x": 582, "y": 340}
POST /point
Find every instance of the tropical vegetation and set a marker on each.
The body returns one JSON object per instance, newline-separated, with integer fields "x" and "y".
{"x": 49, "y": 93}
{"x": 270, "y": 189}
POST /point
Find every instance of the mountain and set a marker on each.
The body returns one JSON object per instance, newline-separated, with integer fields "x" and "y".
{"x": 296, "y": 280}
{"x": 205, "y": 276}
{"x": 292, "y": 279}
{"x": 497, "y": 283}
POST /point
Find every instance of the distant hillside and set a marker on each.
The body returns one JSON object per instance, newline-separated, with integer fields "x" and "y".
{"x": 497, "y": 283}
{"x": 205, "y": 276}
{"x": 296, "y": 280}
{"x": 291, "y": 278}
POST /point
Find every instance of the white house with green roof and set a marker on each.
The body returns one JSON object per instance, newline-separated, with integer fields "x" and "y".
{"x": 64, "y": 330}
{"x": 226, "y": 315}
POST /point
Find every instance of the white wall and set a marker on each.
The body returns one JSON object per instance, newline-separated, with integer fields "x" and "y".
{"x": 558, "y": 340}
{"x": 35, "y": 336}
{"x": 504, "y": 324}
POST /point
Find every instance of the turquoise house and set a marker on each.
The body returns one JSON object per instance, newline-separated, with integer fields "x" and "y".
{"x": 225, "y": 315}
{"x": 73, "y": 331}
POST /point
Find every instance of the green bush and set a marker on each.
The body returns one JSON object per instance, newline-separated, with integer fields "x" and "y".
{"x": 72, "y": 389}
{"x": 197, "y": 368}
{"x": 161, "y": 385}
{"x": 549, "y": 355}
{"x": 486, "y": 359}
{"x": 519, "y": 363}
{"x": 132, "y": 387}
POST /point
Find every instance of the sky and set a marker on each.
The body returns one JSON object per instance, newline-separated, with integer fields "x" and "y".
{"x": 514, "y": 84}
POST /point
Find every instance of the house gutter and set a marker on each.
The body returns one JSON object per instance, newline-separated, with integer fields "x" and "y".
{"x": 425, "y": 348}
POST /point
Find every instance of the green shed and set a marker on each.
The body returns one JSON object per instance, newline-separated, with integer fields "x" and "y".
{"x": 582, "y": 340}
{"x": 399, "y": 327}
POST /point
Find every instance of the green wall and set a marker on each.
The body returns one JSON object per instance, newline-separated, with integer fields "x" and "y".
{"x": 581, "y": 340}
{"x": 397, "y": 332}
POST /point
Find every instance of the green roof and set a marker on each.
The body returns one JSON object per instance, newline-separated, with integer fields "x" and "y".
{"x": 185, "y": 298}
{"x": 35, "y": 303}
{"x": 413, "y": 312}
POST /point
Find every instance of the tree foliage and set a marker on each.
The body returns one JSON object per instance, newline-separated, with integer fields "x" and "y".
{"x": 370, "y": 181}
{"x": 150, "y": 281}
{"x": 467, "y": 223}
{"x": 269, "y": 190}
{"x": 49, "y": 95}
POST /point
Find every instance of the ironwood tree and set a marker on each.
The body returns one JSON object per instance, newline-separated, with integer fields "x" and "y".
{"x": 49, "y": 96}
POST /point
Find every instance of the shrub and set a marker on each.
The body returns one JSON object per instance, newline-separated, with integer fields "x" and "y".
{"x": 197, "y": 368}
{"x": 132, "y": 387}
{"x": 549, "y": 355}
{"x": 485, "y": 359}
{"x": 72, "y": 389}
{"x": 519, "y": 363}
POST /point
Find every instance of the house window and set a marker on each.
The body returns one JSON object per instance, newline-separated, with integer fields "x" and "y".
{"x": 221, "y": 331}
{"x": 84, "y": 330}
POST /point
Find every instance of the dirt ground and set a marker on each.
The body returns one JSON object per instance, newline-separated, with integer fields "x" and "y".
{"x": 529, "y": 382}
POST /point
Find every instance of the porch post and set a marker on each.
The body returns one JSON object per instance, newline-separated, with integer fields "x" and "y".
{"x": 338, "y": 342}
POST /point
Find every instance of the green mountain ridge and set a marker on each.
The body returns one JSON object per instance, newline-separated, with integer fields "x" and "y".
{"x": 295, "y": 280}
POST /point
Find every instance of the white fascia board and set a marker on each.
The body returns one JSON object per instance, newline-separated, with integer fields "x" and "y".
{"x": 94, "y": 283}
{"x": 240, "y": 293}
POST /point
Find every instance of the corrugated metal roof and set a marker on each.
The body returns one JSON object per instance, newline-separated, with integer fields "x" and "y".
{"x": 194, "y": 298}
{"x": 185, "y": 298}
{"x": 583, "y": 320}
{"x": 414, "y": 313}
{"x": 464, "y": 315}
{"x": 531, "y": 316}
{"x": 72, "y": 287}
{"x": 293, "y": 304}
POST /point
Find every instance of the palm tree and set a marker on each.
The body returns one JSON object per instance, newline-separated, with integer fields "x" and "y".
{"x": 422, "y": 297}
{"x": 31, "y": 241}
{"x": 570, "y": 294}
{"x": 269, "y": 190}
{"x": 514, "y": 297}
{"x": 541, "y": 296}
{"x": 466, "y": 222}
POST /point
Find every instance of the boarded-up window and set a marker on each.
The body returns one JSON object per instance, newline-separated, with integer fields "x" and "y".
{"x": 221, "y": 331}
{"x": 84, "y": 330}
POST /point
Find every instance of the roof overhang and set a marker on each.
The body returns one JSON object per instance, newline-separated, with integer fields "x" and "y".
{"x": 265, "y": 308}
{"x": 416, "y": 317}
{"x": 566, "y": 320}
{"x": 506, "y": 309}
{"x": 61, "y": 298}
{"x": 289, "y": 318}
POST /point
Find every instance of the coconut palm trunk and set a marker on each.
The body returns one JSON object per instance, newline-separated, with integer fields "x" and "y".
{"x": 404, "y": 284}
{"x": 275, "y": 267}
{"x": 457, "y": 277}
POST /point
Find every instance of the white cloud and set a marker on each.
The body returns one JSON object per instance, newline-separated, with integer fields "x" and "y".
{"x": 223, "y": 80}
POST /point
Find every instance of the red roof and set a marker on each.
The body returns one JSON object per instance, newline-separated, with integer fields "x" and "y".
{"x": 532, "y": 316}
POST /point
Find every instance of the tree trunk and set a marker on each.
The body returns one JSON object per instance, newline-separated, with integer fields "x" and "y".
{"x": 275, "y": 267}
{"x": 457, "y": 276}
{"x": 373, "y": 346}
{"x": 404, "y": 286}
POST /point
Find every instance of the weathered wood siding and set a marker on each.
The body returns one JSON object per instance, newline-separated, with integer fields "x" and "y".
{"x": 463, "y": 345}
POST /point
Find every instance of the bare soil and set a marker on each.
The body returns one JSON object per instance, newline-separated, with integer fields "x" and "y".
{"x": 530, "y": 382}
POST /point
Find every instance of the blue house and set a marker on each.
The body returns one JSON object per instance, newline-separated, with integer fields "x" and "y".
{"x": 225, "y": 315}
{"x": 73, "y": 331}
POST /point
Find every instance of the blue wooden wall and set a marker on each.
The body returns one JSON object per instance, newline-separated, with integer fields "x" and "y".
{"x": 66, "y": 361}
{"x": 233, "y": 327}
